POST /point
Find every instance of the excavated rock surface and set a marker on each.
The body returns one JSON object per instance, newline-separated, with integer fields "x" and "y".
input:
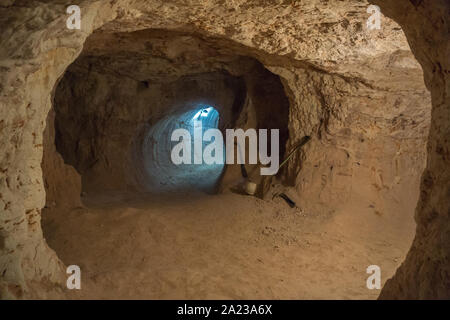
{"x": 359, "y": 93}
{"x": 425, "y": 274}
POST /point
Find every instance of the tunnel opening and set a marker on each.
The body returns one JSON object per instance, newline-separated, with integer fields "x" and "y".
{"x": 163, "y": 172}
{"x": 114, "y": 123}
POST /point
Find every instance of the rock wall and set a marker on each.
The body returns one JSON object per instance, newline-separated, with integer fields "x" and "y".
{"x": 62, "y": 182}
{"x": 35, "y": 51}
{"x": 425, "y": 274}
{"x": 368, "y": 141}
{"x": 345, "y": 86}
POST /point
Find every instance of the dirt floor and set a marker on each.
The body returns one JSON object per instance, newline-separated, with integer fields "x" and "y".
{"x": 226, "y": 246}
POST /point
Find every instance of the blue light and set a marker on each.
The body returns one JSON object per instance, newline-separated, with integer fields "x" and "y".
{"x": 202, "y": 113}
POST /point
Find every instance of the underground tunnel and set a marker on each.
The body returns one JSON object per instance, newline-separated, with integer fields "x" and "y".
{"x": 158, "y": 147}
{"x": 120, "y": 136}
{"x": 100, "y": 114}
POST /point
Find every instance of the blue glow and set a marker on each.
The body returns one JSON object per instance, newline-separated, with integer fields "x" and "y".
{"x": 202, "y": 113}
{"x": 161, "y": 174}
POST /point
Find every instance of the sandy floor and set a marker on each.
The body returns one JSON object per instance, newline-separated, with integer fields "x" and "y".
{"x": 228, "y": 246}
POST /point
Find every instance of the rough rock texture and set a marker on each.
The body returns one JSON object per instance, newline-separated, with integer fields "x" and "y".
{"x": 35, "y": 51}
{"x": 56, "y": 173}
{"x": 425, "y": 274}
{"x": 345, "y": 85}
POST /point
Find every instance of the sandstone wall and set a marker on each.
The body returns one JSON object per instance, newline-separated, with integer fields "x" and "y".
{"x": 425, "y": 274}
{"x": 35, "y": 51}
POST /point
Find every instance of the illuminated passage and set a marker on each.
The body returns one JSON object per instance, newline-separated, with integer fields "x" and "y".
{"x": 162, "y": 174}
